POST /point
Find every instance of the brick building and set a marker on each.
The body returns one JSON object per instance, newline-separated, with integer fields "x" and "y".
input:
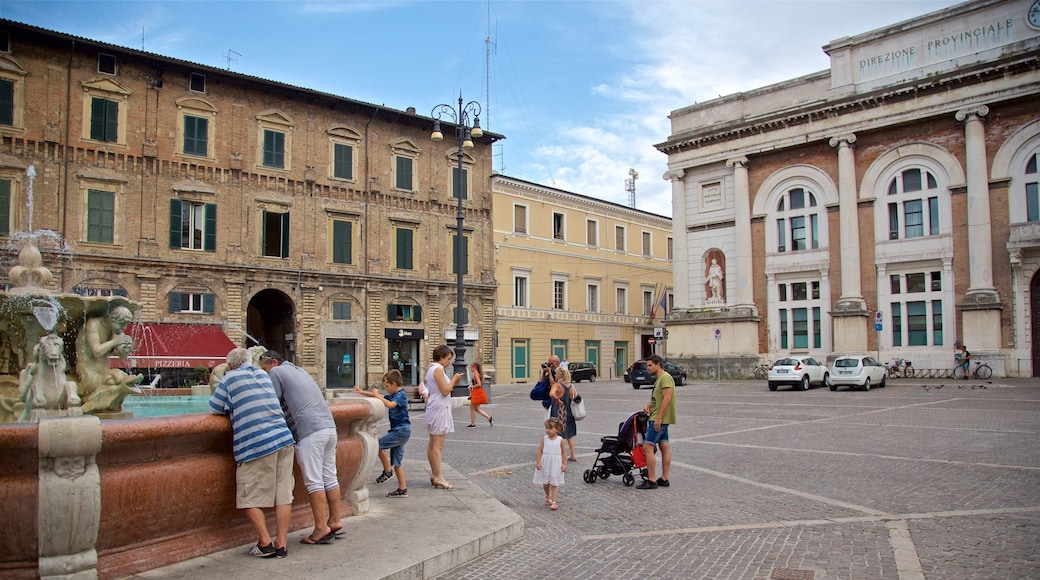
{"x": 313, "y": 224}
{"x": 888, "y": 205}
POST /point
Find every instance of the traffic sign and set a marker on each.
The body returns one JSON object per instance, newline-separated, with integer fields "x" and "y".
{"x": 649, "y": 341}
{"x": 718, "y": 334}
{"x": 877, "y": 326}
{"x": 658, "y": 332}
{"x": 877, "y": 317}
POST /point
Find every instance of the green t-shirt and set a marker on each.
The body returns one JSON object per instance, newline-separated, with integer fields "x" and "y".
{"x": 664, "y": 381}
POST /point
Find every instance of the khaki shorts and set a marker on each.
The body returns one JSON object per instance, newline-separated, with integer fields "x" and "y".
{"x": 266, "y": 481}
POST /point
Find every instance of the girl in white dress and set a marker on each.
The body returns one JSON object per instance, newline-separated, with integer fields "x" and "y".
{"x": 551, "y": 463}
{"x": 439, "y": 420}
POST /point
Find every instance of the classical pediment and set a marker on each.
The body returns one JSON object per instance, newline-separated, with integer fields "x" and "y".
{"x": 11, "y": 65}
{"x": 344, "y": 132}
{"x": 402, "y": 145}
{"x": 275, "y": 116}
{"x": 108, "y": 85}
{"x": 197, "y": 103}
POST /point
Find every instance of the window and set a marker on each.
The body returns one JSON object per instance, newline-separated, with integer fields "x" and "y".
{"x": 798, "y": 227}
{"x": 5, "y": 41}
{"x": 274, "y": 149}
{"x": 5, "y": 207}
{"x": 621, "y": 300}
{"x": 197, "y": 83}
{"x": 106, "y": 63}
{"x": 101, "y": 214}
{"x": 403, "y": 313}
{"x": 403, "y": 179}
{"x": 593, "y": 298}
{"x": 275, "y": 242}
{"x": 455, "y": 316}
{"x": 342, "y": 241}
{"x": 619, "y": 238}
{"x": 801, "y": 322}
{"x": 6, "y": 102}
{"x": 403, "y": 248}
{"x": 559, "y": 295}
{"x": 193, "y": 225}
{"x": 558, "y": 225}
{"x": 104, "y": 120}
{"x": 646, "y": 244}
{"x": 195, "y": 303}
{"x": 668, "y": 247}
{"x": 196, "y": 135}
{"x": 1032, "y": 189}
{"x": 342, "y": 161}
{"x": 459, "y": 186}
{"x": 914, "y": 202}
{"x": 916, "y": 315}
{"x": 454, "y": 253}
{"x": 520, "y": 284}
{"x": 591, "y": 233}
{"x": 341, "y": 310}
{"x": 93, "y": 291}
{"x": 519, "y": 219}
{"x": 648, "y": 302}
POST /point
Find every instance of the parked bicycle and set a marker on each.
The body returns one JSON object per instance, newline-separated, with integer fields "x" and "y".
{"x": 982, "y": 371}
{"x": 899, "y": 368}
{"x": 762, "y": 371}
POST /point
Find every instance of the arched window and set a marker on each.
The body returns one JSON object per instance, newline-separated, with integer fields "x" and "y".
{"x": 913, "y": 205}
{"x": 798, "y": 221}
{"x": 1032, "y": 177}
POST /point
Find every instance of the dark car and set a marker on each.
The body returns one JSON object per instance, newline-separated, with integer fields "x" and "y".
{"x": 582, "y": 371}
{"x": 639, "y": 374}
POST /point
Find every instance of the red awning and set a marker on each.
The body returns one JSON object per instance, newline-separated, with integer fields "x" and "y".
{"x": 175, "y": 346}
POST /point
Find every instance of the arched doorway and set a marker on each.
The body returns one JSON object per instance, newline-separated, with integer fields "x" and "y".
{"x": 1034, "y": 313}
{"x": 270, "y": 321}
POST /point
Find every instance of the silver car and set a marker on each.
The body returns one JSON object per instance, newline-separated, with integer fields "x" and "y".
{"x": 800, "y": 372}
{"x": 857, "y": 371}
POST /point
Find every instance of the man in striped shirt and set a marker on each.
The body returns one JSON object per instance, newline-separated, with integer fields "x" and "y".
{"x": 263, "y": 449}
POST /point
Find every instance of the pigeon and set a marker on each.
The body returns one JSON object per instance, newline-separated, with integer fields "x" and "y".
{"x": 926, "y": 387}
{"x": 940, "y": 386}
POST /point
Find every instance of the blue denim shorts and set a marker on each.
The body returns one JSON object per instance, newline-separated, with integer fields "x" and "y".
{"x": 654, "y": 435}
{"x": 394, "y": 441}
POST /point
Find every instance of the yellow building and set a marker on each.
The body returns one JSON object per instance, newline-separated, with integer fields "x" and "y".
{"x": 578, "y": 277}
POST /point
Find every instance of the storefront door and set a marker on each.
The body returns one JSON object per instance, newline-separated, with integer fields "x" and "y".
{"x": 340, "y": 363}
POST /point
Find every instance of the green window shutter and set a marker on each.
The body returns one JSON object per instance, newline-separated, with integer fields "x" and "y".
{"x": 391, "y": 312}
{"x": 6, "y": 102}
{"x": 404, "y": 173}
{"x": 5, "y": 207}
{"x": 209, "y": 303}
{"x": 175, "y": 224}
{"x": 404, "y": 249}
{"x": 274, "y": 149}
{"x": 100, "y": 216}
{"x": 285, "y": 235}
{"x": 343, "y": 164}
{"x": 210, "y": 242}
{"x": 111, "y": 121}
{"x": 175, "y": 301}
{"x": 342, "y": 232}
{"x": 416, "y": 313}
{"x": 97, "y": 119}
{"x": 196, "y": 135}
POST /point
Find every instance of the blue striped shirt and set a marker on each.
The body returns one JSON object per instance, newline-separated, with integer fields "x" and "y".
{"x": 257, "y": 422}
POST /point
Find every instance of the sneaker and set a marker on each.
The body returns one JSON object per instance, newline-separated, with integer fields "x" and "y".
{"x": 662, "y": 482}
{"x": 473, "y": 426}
{"x": 259, "y": 551}
{"x": 398, "y": 493}
{"x": 647, "y": 485}
{"x": 281, "y": 552}
{"x": 384, "y": 476}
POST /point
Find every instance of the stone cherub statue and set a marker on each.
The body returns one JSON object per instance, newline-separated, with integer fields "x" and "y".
{"x": 43, "y": 388}
{"x": 101, "y": 387}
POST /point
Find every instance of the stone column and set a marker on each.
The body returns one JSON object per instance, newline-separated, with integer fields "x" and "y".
{"x": 743, "y": 279}
{"x": 849, "y": 317}
{"x": 680, "y": 264}
{"x": 981, "y": 306}
{"x": 70, "y": 497}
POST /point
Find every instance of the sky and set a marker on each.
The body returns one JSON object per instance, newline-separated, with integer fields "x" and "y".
{"x": 581, "y": 89}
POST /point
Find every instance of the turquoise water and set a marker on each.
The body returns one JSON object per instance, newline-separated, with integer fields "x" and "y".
{"x": 152, "y": 406}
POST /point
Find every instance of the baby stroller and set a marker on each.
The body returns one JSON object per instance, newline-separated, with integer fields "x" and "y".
{"x": 619, "y": 455}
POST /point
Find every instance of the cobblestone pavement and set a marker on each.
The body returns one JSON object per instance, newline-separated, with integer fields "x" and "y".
{"x": 921, "y": 479}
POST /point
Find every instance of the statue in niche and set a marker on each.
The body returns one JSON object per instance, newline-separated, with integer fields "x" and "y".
{"x": 715, "y": 277}
{"x": 101, "y": 387}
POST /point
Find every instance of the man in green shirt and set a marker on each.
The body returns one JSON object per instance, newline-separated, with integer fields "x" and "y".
{"x": 661, "y": 410}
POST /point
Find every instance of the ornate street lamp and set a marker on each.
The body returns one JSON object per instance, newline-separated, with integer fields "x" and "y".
{"x": 464, "y": 135}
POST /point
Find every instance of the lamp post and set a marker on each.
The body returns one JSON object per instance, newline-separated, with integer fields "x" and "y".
{"x": 464, "y": 135}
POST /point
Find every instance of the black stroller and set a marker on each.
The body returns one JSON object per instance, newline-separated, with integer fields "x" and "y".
{"x": 619, "y": 455}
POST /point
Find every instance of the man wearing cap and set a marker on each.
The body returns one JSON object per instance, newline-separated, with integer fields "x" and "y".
{"x": 314, "y": 429}
{"x": 263, "y": 449}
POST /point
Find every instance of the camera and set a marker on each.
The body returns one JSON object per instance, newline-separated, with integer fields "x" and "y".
{"x": 545, "y": 365}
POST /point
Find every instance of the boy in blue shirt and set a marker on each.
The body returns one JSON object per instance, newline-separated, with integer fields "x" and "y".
{"x": 396, "y": 402}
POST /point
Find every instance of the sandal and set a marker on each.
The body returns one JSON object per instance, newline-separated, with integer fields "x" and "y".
{"x": 548, "y": 501}
{"x": 554, "y": 506}
{"x": 326, "y": 539}
{"x": 384, "y": 476}
{"x": 398, "y": 493}
{"x": 441, "y": 484}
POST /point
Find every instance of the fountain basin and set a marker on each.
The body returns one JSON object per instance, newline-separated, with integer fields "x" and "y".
{"x": 167, "y": 489}
{"x": 165, "y": 405}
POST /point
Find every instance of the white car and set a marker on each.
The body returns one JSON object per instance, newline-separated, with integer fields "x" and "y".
{"x": 800, "y": 372}
{"x": 857, "y": 371}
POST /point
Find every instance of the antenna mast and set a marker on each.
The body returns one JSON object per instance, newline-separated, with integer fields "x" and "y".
{"x": 630, "y": 187}
{"x": 231, "y": 59}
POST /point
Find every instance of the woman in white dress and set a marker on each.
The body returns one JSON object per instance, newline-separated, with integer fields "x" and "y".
{"x": 439, "y": 420}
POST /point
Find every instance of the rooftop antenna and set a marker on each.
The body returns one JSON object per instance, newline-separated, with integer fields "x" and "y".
{"x": 230, "y": 59}
{"x": 630, "y": 187}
